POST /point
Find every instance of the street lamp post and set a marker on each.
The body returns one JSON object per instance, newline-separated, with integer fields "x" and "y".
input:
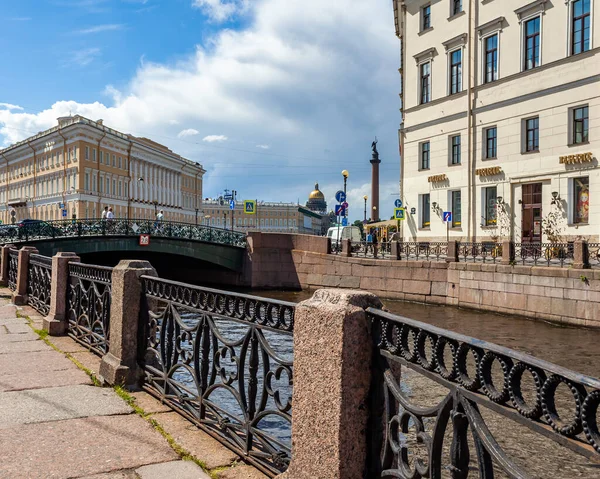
{"x": 196, "y": 216}
{"x": 339, "y": 240}
{"x": 365, "y": 198}
{"x": 155, "y": 203}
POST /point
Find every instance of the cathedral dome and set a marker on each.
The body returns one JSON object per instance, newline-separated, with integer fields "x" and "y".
{"x": 317, "y": 194}
{"x": 316, "y": 200}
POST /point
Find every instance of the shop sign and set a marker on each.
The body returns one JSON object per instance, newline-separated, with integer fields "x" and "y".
{"x": 578, "y": 158}
{"x": 490, "y": 171}
{"x": 437, "y": 178}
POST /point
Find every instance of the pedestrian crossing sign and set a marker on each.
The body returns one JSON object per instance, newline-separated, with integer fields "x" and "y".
{"x": 399, "y": 213}
{"x": 250, "y": 207}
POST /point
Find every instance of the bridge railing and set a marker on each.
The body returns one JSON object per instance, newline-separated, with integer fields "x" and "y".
{"x": 13, "y": 266}
{"x": 39, "y": 283}
{"x": 225, "y": 362}
{"x": 43, "y": 230}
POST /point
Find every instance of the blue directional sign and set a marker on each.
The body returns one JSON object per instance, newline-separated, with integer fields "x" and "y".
{"x": 344, "y": 221}
{"x": 64, "y": 213}
{"x": 399, "y": 213}
{"x": 398, "y": 203}
{"x": 340, "y": 196}
{"x": 232, "y": 205}
{"x": 339, "y": 210}
{"x": 447, "y": 216}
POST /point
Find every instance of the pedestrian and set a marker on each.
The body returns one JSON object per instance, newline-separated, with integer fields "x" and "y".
{"x": 109, "y": 214}
{"x": 105, "y": 213}
{"x": 160, "y": 216}
{"x": 369, "y": 244}
{"x": 375, "y": 232}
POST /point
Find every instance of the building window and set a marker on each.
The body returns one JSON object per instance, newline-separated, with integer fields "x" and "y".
{"x": 94, "y": 156}
{"x": 532, "y": 43}
{"x": 581, "y": 26}
{"x": 425, "y": 155}
{"x": 425, "y": 217}
{"x": 491, "y": 142}
{"x": 101, "y": 157}
{"x": 456, "y": 7}
{"x": 101, "y": 183}
{"x": 491, "y": 58}
{"x": 580, "y": 125}
{"x": 120, "y": 162}
{"x": 425, "y": 82}
{"x": 114, "y": 160}
{"x": 581, "y": 200}
{"x": 426, "y": 17}
{"x": 87, "y": 152}
{"x": 489, "y": 207}
{"x": 455, "y": 71}
{"x": 455, "y": 160}
{"x": 456, "y": 214}
{"x": 532, "y": 134}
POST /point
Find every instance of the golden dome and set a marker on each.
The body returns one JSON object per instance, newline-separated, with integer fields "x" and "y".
{"x": 317, "y": 194}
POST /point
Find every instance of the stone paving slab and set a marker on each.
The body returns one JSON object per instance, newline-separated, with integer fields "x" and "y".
{"x": 15, "y": 338}
{"x": 81, "y": 447}
{"x": 16, "y": 328}
{"x": 148, "y": 403}
{"x": 66, "y": 344}
{"x": 89, "y": 360}
{"x": 195, "y": 441}
{"x": 241, "y": 472}
{"x": 34, "y": 380}
{"x": 175, "y": 469}
{"x": 40, "y": 361}
{"x": 24, "y": 347}
{"x": 59, "y": 403}
{"x": 129, "y": 474}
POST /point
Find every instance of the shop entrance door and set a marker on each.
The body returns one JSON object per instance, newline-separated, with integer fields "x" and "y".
{"x": 531, "y": 226}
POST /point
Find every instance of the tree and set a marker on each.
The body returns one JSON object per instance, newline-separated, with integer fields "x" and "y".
{"x": 360, "y": 225}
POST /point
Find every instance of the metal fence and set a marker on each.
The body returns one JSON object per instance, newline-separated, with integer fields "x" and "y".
{"x": 225, "y": 362}
{"x": 548, "y": 254}
{"x": 13, "y": 267}
{"x": 39, "y": 281}
{"x": 88, "y": 306}
{"x": 423, "y": 251}
{"x": 484, "y": 252}
{"x": 40, "y": 230}
{"x": 471, "y": 374}
{"x": 594, "y": 255}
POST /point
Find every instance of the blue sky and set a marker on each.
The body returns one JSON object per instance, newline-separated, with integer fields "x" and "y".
{"x": 269, "y": 95}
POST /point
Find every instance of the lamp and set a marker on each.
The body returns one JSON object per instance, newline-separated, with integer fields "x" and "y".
{"x": 499, "y": 200}
{"x": 434, "y": 205}
{"x": 345, "y": 173}
{"x": 555, "y": 197}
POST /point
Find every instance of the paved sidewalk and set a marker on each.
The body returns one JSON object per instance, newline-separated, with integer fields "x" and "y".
{"x": 55, "y": 423}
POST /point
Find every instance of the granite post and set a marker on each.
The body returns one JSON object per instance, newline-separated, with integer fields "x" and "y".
{"x": 20, "y": 294}
{"x": 452, "y": 254}
{"x": 4, "y": 263}
{"x": 581, "y": 257}
{"x": 56, "y": 321}
{"x": 347, "y": 247}
{"x": 395, "y": 250}
{"x": 508, "y": 252}
{"x": 332, "y": 375}
{"x": 119, "y": 365}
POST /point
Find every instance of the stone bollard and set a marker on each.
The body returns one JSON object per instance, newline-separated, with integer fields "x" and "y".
{"x": 347, "y": 247}
{"x": 508, "y": 252}
{"x": 56, "y": 321}
{"x": 4, "y": 263}
{"x": 20, "y": 294}
{"x": 119, "y": 365}
{"x": 452, "y": 254}
{"x": 395, "y": 250}
{"x": 332, "y": 375}
{"x": 581, "y": 255}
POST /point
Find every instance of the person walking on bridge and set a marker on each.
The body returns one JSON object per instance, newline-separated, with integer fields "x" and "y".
{"x": 105, "y": 213}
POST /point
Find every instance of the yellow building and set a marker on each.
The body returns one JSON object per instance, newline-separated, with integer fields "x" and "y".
{"x": 80, "y": 166}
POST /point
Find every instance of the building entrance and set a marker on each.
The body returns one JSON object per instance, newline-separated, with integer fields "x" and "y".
{"x": 531, "y": 226}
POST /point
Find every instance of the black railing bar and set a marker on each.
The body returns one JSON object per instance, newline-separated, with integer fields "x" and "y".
{"x": 216, "y": 291}
{"x": 479, "y": 343}
{"x": 91, "y": 266}
{"x": 573, "y": 443}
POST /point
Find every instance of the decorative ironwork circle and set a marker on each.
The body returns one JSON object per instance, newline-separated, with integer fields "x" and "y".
{"x": 485, "y": 376}
{"x": 405, "y": 332}
{"x": 589, "y": 414}
{"x": 460, "y": 360}
{"x": 421, "y": 342}
{"x": 548, "y": 398}
{"x": 442, "y": 342}
{"x": 392, "y": 337}
{"x": 516, "y": 394}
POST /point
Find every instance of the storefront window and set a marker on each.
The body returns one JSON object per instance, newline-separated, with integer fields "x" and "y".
{"x": 581, "y": 201}
{"x": 490, "y": 206}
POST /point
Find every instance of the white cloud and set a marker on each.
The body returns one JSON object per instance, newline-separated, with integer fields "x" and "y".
{"x": 264, "y": 147}
{"x": 213, "y": 138}
{"x": 82, "y": 57}
{"x": 100, "y": 28}
{"x": 10, "y": 106}
{"x": 221, "y": 10}
{"x": 188, "y": 132}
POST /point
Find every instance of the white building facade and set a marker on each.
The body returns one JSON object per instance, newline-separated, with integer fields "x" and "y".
{"x": 500, "y": 119}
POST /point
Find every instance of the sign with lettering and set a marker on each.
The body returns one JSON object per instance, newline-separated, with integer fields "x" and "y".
{"x": 437, "y": 178}
{"x": 144, "y": 240}
{"x": 578, "y": 158}
{"x": 489, "y": 171}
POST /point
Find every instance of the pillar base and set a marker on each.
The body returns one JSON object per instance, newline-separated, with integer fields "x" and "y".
{"x": 114, "y": 372}
{"x": 54, "y": 327}
{"x": 19, "y": 299}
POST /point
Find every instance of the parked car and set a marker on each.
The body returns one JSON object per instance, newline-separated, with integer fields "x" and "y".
{"x": 344, "y": 232}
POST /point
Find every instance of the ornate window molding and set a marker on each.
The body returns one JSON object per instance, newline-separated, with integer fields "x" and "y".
{"x": 492, "y": 26}
{"x": 536, "y": 7}
{"x": 457, "y": 41}
{"x": 425, "y": 55}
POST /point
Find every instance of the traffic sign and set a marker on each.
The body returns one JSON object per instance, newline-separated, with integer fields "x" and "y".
{"x": 398, "y": 203}
{"x": 340, "y": 196}
{"x": 61, "y": 205}
{"x": 345, "y": 205}
{"x": 145, "y": 240}
{"x": 344, "y": 221}
{"x": 250, "y": 207}
{"x": 339, "y": 210}
{"x": 399, "y": 213}
{"x": 64, "y": 213}
{"x": 232, "y": 205}
{"x": 447, "y": 216}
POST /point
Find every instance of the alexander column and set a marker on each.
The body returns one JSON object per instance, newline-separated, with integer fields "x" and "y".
{"x": 375, "y": 213}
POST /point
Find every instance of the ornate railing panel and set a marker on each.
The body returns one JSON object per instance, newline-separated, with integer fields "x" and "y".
{"x": 13, "y": 266}
{"x": 223, "y": 361}
{"x": 594, "y": 255}
{"x": 471, "y": 374}
{"x": 544, "y": 254}
{"x": 423, "y": 251}
{"x": 486, "y": 252}
{"x": 41, "y": 230}
{"x": 39, "y": 281}
{"x": 88, "y": 300}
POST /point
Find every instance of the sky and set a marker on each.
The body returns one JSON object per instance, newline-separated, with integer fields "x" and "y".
{"x": 270, "y": 96}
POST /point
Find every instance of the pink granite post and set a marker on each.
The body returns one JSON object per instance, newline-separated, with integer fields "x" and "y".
{"x": 347, "y": 247}
{"x": 508, "y": 252}
{"x": 20, "y": 294}
{"x": 332, "y": 375}
{"x": 119, "y": 365}
{"x": 581, "y": 257}
{"x": 452, "y": 255}
{"x": 4, "y": 263}
{"x": 56, "y": 321}
{"x": 395, "y": 250}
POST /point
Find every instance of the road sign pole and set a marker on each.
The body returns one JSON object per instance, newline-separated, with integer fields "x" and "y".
{"x": 447, "y": 232}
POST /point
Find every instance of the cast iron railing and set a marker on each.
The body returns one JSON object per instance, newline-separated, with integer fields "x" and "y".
{"x": 223, "y": 361}
{"x": 13, "y": 267}
{"x": 88, "y": 303}
{"x": 446, "y": 358}
{"x": 539, "y": 254}
{"x": 594, "y": 255}
{"x": 423, "y": 251}
{"x": 42, "y": 230}
{"x": 485, "y": 252}
{"x": 39, "y": 281}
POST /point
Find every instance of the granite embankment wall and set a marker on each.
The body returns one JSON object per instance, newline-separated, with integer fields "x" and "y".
{"x": 563, "y": 295}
